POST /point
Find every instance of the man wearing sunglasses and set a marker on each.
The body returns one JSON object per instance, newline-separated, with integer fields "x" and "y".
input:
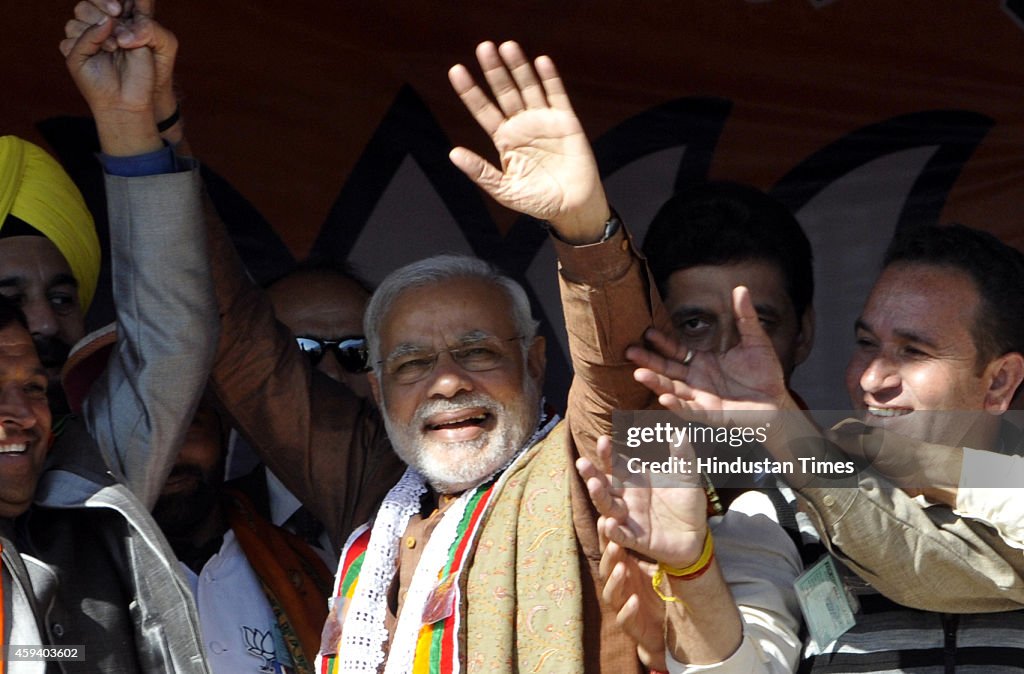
{"x": 322, "y": 302}
{"x": 349, "y": 353}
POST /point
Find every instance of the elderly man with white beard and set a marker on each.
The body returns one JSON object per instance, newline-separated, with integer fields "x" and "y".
{"x": 471, "y": 431}
{"x": 480, "y": 520}
{"x": 478, "y": 549}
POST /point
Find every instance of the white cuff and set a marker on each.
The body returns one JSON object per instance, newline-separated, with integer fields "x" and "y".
{"x": 990, "y": 491}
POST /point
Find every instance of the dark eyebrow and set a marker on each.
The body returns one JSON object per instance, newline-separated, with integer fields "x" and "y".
{"x": 916, "y": 338}
{"x": 767, "y": 310}
{"x": 62, "y": 279}
{"x": 905, "y": 335}
{"x": 691, "y": 310}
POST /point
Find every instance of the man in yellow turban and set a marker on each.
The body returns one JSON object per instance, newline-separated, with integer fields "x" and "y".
{"x": 49, "y": 252}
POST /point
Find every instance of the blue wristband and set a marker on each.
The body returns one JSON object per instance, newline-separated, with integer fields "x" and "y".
{"x": 150, "y": 164}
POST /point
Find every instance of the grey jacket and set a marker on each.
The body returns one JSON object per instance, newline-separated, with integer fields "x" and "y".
{"x": 107, "y": 579}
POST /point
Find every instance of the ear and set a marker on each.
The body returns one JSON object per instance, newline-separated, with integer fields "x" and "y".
{"x": 371, "y": 377}
{"x": 804, "y": 338}
{"x": 1004, "y": 374}
{"x": 536, "y": 360}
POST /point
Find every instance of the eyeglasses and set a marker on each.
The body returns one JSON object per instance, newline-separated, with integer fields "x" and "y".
{"x": 350, "y": 351}
{"x": 477, "y": 355}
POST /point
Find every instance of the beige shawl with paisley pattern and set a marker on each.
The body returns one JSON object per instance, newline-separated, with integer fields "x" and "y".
{"x": 522, "y": 599}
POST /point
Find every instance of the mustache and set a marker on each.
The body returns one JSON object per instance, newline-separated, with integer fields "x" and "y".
{"x": 52, "y": 351}
{"x": 461, "y": 401}
{"x": 188, "y": 470}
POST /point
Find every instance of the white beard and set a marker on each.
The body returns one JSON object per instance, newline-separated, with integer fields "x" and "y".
{"x": 453, "y": 467}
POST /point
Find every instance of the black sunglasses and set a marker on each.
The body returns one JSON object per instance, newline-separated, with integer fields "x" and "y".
{"x": 350, "y": 351}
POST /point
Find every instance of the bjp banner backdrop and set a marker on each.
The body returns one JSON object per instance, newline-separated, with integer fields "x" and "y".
{"x": 325, "y": 126}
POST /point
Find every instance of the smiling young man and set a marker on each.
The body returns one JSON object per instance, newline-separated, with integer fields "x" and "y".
{"x": 937, "y": 363}
{"x": 939, "y": 359}
{"x": 82, "y": 559}
{"x": 941, "y": 331}
{"x": 24, "y": 414}
{"x": 24, "y": 442}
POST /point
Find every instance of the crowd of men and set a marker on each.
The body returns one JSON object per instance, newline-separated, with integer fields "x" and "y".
{"x": 406, "y": 451}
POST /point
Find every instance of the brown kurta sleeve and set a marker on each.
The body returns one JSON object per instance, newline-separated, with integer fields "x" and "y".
{"x": 328, "y": 446}
{"x": 609, "y": 301}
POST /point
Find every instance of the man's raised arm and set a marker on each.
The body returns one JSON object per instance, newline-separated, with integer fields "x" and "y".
{"x": 140, "y": 408}
{"x": 548, "y": 171}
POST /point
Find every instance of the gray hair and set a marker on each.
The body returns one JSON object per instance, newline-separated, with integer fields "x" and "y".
{"x": 438, "y": 269}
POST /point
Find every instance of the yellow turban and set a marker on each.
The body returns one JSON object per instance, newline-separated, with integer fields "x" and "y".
{"x": 34, "y": 188}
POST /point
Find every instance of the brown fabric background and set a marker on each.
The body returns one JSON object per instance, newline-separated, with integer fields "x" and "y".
{"x": 283, "y": 100}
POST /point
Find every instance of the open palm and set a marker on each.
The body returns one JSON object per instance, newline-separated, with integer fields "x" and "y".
{"x": 667, "y": 524}
{"x": 747, "y": 377}
{"x": 548, "y": 170}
